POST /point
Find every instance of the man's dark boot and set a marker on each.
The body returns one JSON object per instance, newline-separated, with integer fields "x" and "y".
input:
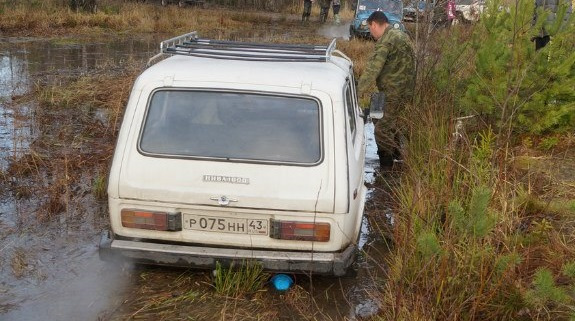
{"x": 385, "y": 160}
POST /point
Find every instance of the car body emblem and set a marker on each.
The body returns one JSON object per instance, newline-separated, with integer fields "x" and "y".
{"x": 226, "y": 179}
{"x": 223, "y": 200}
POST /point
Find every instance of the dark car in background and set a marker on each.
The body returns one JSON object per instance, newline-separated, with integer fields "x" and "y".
{"x": 427, "y": 11}
{"x": 393, "y": 9}
{"x": 415, "y": 10}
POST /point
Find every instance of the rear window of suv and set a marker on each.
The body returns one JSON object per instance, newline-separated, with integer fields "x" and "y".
{"x": 232, "y": 125}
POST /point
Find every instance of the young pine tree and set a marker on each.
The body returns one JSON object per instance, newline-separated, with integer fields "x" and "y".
{"x": 514, "y": 86}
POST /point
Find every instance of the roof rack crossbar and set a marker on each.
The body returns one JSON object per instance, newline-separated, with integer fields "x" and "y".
{"x": 190, "y": 44}
{"x": 249, "y": 50}
{"x": 259, "y": 45}
{"x": 252, "y": 57}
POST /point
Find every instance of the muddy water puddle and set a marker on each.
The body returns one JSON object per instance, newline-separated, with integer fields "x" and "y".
{"x": 50, "y": 267}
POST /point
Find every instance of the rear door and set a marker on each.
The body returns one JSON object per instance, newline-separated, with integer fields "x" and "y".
{"x": 356, "y": 144}
{"x": 257, "y": 150}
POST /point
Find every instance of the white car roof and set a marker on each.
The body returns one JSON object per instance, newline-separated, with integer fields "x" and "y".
{"x": 326, "y": 76}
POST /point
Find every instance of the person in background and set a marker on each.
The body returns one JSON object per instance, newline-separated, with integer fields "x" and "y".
{"x": 324, "y": 10}
{"x": 450, "y": 12}
{"x": 306, "y": 10}
{"x": 392, "y": 69}
{"x": 551, "y": 7}
{"x": 336, "y": 5}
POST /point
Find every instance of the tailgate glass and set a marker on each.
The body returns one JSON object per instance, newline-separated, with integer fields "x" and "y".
{"x": 232, "y": 125}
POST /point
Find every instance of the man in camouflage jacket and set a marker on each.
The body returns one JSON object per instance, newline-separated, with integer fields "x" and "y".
{"x": 392, "y": 69}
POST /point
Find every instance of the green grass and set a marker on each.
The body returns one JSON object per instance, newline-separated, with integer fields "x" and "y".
{"x": 247, "y": 278}
{"x": 99, "y": 187}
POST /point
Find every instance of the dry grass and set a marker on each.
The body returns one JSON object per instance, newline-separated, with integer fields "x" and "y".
{"x": 131, "y": 17}
{"x": 71, "y": 141}
{"x": 19, "y": 262}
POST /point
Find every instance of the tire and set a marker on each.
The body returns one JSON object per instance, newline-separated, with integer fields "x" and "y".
{"x": 181, "y": 3}
{"x": 164, "y": 3}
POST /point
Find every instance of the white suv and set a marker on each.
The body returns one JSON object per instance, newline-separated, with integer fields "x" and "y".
{"x": 233, "y": 151}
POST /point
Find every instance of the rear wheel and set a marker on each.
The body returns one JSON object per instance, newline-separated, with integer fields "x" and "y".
{"x": 164, "y": 3}
{"x": 181, "y": 3}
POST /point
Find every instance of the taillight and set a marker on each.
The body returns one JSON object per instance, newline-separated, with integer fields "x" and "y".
{"x": 159, "y": 221}
{"x": 300, "y": 231}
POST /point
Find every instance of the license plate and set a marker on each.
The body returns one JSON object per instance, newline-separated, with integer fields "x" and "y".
{"x": 225, "y": 224}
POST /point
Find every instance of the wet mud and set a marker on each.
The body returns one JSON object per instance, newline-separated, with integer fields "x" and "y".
{"x": 51, "y": 162}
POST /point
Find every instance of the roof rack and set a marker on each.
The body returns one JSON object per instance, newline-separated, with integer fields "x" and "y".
{"x": 191, "y": 45}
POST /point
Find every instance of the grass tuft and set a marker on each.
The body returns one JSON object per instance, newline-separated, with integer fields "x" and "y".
{"x": 99, "y": 187}
{"x": 244, "y": 279}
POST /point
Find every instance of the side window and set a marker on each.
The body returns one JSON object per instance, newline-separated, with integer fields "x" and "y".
{"x": 351, "y": 112}
{"x": 355, "y": 99}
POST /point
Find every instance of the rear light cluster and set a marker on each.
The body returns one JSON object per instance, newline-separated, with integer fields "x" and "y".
{"x": 159, "y": 221}
{"x": 299, "y": 231}
{"x": 283, "y": 230}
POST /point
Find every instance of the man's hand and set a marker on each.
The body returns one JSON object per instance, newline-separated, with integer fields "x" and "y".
{"x": 365, "y": 114}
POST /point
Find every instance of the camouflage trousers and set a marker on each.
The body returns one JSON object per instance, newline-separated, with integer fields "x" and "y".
{"x": 306, "y": 10}
{"x": 391, "y": 134}
{"x": 324, "y": 11}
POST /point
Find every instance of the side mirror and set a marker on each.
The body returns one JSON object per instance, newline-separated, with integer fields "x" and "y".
{"x": 376, "y": 105}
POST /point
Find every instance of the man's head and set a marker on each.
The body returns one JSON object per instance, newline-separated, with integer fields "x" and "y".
{"x": 377, "y": 22}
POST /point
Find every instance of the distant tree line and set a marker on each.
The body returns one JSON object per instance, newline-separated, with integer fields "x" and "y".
{"x": 91, "y": 5}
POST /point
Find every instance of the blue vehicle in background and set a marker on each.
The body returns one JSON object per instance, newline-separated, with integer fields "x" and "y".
{"x": 416, "y": 9}
{"x": 393, "y": 9}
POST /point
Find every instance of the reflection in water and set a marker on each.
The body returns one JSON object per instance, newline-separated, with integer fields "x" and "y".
{"x": 14, "y": 125}
{"x": 25, "y": 62}
{"x": 371, "y": 163}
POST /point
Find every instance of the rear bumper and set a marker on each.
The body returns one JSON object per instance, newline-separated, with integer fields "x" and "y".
{"x": 206, "y": 257}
